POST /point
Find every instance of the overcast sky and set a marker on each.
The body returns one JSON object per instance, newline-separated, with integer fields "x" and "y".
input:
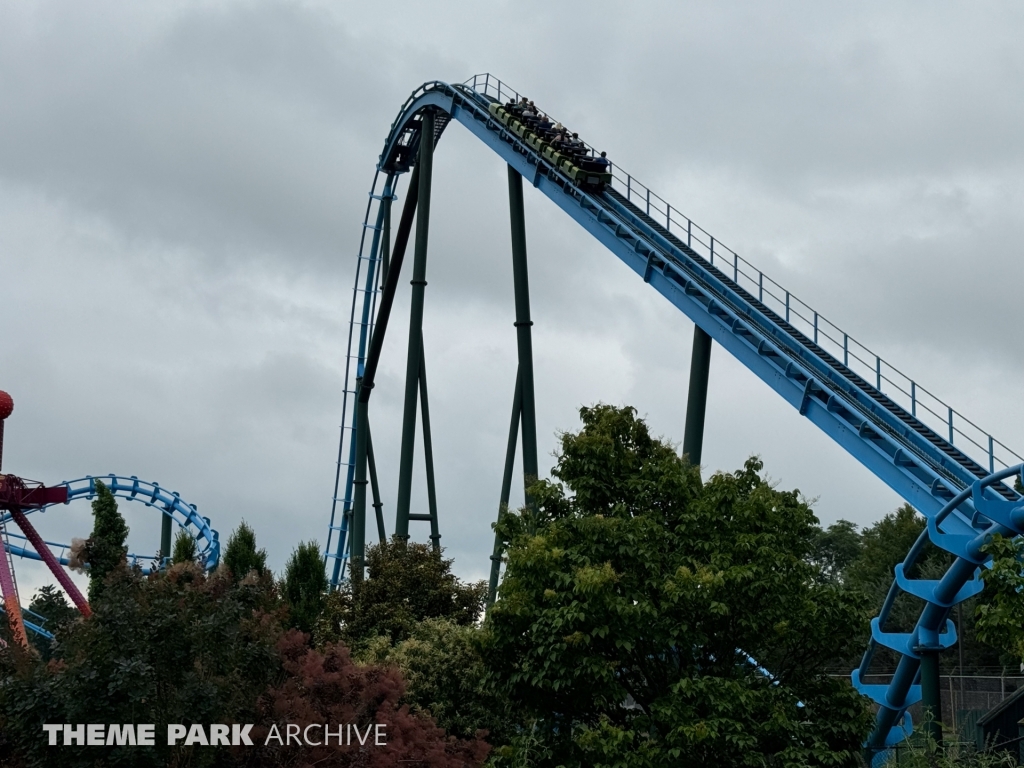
{"x": 182, "y": 187}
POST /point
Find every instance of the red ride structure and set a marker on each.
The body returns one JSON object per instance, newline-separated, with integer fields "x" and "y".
{"x": 17, "y": 495}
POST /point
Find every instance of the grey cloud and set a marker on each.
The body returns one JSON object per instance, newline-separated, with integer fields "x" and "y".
{"x": 182, "y": 186}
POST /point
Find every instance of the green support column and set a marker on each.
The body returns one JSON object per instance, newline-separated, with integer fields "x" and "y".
{"x": 931, "y": 696}
{"x": 697, "y": 399}
{"x": 523, "y": 324}
{"x": 506, "y": 489}
{"x": 412, "y": 367}
{"x": 428, "y": 453}
{"x": 358, "y": 531}
{"x": 165, "y": 537}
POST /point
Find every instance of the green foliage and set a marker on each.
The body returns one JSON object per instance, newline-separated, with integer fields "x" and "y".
{"x": 241, "y": 557}
{"x": 305, "y": 585}
{"x": 169, "y": 649}
{"x": 407, "y": 582}
{"x": 181, "y": 647}
{"x": 106, "y": 546}
{"x": 921, "y": 751}
{"x": 50, "y": 603}
{"x": 634, "y": 599}
{"x": 185, "y": 550}
{"x": 833, "y": 549}
{"x": 885, "y": 544}
{"x": 1000, "y": 619}
{"x": 442, "y": 665}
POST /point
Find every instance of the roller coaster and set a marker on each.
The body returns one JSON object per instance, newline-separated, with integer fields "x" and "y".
{"x": 20, "y": 498}
{"x": 948, "y": 468}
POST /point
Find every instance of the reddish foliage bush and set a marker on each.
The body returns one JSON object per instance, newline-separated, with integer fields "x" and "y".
{"x": 329, "y": 688}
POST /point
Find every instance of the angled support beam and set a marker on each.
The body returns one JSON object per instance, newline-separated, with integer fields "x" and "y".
{"x": 364, "y": 387}
{"x": 51, "y": 562}
{"x": 378, "y": 506}
{"x": 506, "y": 489}
{"x": 697, "y": 399}
{"x": 523, "y": 324}
{"x": 428, "y": 452}
{"x": 412, "y": 367}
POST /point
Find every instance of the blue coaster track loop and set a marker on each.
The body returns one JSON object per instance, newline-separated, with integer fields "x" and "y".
{"x": 132, "y": 489}
{"x": 940, "y": 462}
{"x": 992, "y": 514}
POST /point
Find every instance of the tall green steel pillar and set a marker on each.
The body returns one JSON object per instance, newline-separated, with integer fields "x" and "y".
{"x": 523, "y": 324}
{"x": 358, "y": 530}
{"x": 931, "y": 695}
{"x": 412, "y": 367}
{"x": 165, "y": 537}
{"x": 697, "y": 398}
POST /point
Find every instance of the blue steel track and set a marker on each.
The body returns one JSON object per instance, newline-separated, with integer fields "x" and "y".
{"x": 152, "y": 495}
{"x": 944, "y": 465}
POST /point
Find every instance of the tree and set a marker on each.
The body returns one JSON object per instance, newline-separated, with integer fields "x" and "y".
{"x": 325, "y": 686}
{"x": 305, "y": 585}
{"x": 885, "y": 544}
{"x": 106, "y": 550}
{"x": 406, "y": 583}
{"x": 1001, "y": 617}
{"x": 647, "y": 619}
{"x": 459, "y": 702}
{"x": 172, "y": 648}
{"x": 183, "y": 647}
{"x": 833, "y": 549}
{"x": 241, "y": 557}
{"x": 49, "y": 602}
{"x": 185, "y": 550}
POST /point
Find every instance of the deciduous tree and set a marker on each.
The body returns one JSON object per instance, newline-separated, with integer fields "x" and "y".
{"x": 649, "y": 619}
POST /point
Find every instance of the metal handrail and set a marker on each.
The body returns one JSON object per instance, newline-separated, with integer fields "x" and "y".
{"x": 920, "y": 402}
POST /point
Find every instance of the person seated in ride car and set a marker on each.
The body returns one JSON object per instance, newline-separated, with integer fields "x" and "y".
{"x": 604, "y": 162}
{"x": 544, "y": 124}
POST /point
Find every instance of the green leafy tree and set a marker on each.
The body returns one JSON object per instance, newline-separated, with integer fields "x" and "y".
{"x": 1000, "y": 618}
{"x": 833, "y": 549}
{"x": 50, "y": 603}
{"x": 241, "y": 556}
{"x": 442, "y": 666}
{"x": 884, "y": 544}
{"x": 305, "y": 585}
{"x": 106, "y": 546}
{"x": 184, "y": 647}
{"x": 406, "y": 583}
{"x": 185, "y": 550}
{"x": 649, "y": 619}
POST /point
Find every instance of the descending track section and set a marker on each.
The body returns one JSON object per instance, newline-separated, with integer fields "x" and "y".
{"x": 943, "y": 464}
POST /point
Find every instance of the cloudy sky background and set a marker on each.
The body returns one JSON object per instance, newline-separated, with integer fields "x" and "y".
{"x": 182, "y": 187}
